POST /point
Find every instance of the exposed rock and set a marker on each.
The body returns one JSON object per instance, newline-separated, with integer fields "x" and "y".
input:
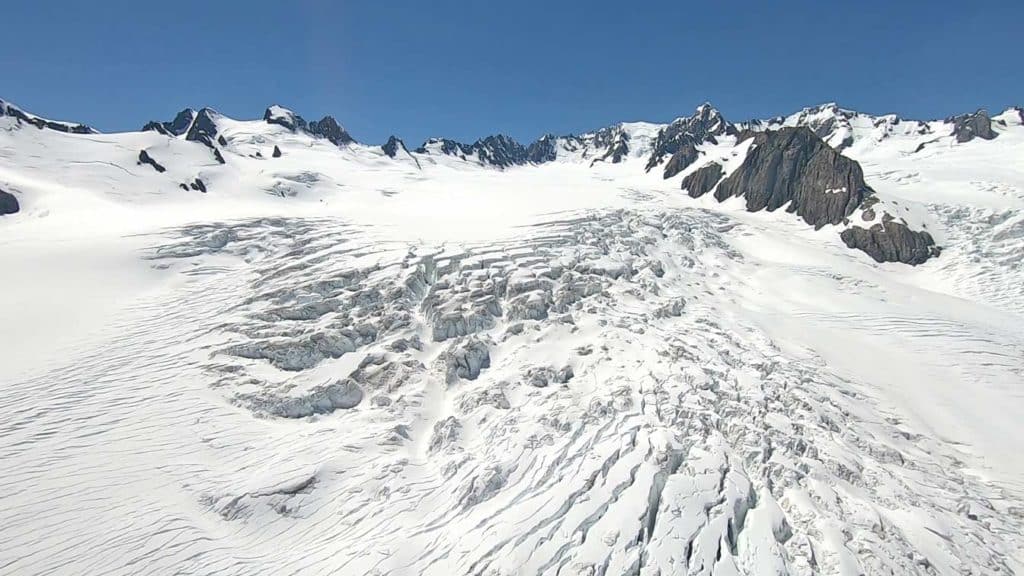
{"x": 8, "y": 203}
{"x": 277, "y": 152}
{"x": 204, "y": 127}
{"x": 968, "y": 126}
{"x": 176, "y": 127}
{"x": 793, "y": 166}
{"x": 892, "y": 241}
{"x": 218, "y": 156}
{"x": 7, "y": 109}
{"x": 392, "y": 146}
{"x": 703, "y": 180}
{"x": 681, "y": 160}
{"x": 543, "y": 150}
{"x": 327, "y": 127}
{"x": 615, "y": 143}
{"x": 199, "y": 185}
{"x": 499, "y": 150}
{"x": 145, "y": 158}
{"x": 703, "y": 126}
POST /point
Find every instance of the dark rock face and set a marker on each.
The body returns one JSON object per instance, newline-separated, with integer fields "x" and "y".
{"x": 498, "y": 150}
{"x": 615, "y": 143}
{"x": 681, "y": 160}
{"x": 891, "y": 241}
{"x": 329, "y": 128}
{"x": 703, "y": 180}
{"x": 41, "y": 123}
{"x": 543, "y": 150}
{"x": 967, "y": 127}
{"x": 8, "y": 203}
{"x": 175, "y": 127}
{"x": 204, "y": 131}
{"x": 704, "y": 126}
{"x": 277, "y": 152}
{"x": 392, "y": 146}
{"x": 199, "y": 185}
{"x": 793, "y": 166}
{"x": 145, "y": 158}
{"x": 204, "y": 128}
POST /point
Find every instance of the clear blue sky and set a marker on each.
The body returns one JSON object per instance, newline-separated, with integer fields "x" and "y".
{"x": 465, "y": 69}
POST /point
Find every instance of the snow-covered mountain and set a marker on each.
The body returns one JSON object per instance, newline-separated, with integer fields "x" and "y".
{"x": 782, "y": 346}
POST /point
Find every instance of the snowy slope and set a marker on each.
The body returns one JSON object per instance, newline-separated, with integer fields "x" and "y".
{"x": 336, "y": 361}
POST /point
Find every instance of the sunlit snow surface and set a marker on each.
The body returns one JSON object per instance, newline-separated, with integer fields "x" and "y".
{"x": 338, "y": 363}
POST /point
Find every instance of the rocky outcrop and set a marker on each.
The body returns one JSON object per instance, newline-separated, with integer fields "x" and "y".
{"x": 8, "y": 203}
{"x": 614, "y": 141}
{"x": 204, "y": 127}
{"x": 499, "y": 150}
{"x": 543, "y": 150}
{"x": 704, "y": 126}
{"x": 327, "y": 127}
{"x": 145, "y": 158}
{"x": 7, "y": 109}
{"x": 393, "y": 146}
{"x": 703, "y": 180}
{"x": 793, "y": 167}
{"x": 277, "y": 152}
{"x": 891, "y": 241}
{"x": 681, "y": 160}
{"x": 967, "y": 127}
{"x": 176, "y": 127}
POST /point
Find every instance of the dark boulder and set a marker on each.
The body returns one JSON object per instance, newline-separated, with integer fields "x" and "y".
{"x": 199, "y": 185}
{"x": 8, "y": 203}
{"x": 703, "y": 180}
{"x": 891, "y": 241}
{"x": 967, "y": 127}
{"x": 145, "y": 158}
{"x": 681, "y": 160}
{"x": 277, "y": 152}
{"x": 793, "y": 166}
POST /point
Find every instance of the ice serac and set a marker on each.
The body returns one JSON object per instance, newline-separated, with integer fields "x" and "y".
{"x": 180, "y": 125}
{"x": 8, "y": 109}
{"x": 8, "y": 203}
{"x": 684, "y": 134}
{"x": 891, "y": 241}
{"x": 967, "y": 127}
{"x": 793, "y": 167}
{"x": 703, "y": 180}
